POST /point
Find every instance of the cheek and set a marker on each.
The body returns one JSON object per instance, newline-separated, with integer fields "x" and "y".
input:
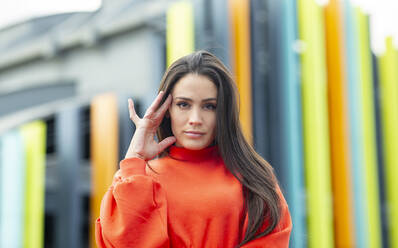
{"x": 212, "y": 121}
{"x": 176, "y": 119}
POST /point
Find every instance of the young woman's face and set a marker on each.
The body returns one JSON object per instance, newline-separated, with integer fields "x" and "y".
{"x": 193, "y": 112}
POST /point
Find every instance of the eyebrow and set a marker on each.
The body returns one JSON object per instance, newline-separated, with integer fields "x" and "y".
{"x": 189, "y": 99}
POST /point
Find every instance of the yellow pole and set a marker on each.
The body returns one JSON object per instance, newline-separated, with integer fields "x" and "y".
{"x": 180, "y": 38}
{"x": 34, "y": 137}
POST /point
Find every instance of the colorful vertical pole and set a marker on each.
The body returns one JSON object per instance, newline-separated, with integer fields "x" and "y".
{"x": 104, "y": 151}
{"x": 34, "y": 138}
{"x": 315, "y": 125}
{"x": 69, "y": 200}
{"x": 292, "y": 124}
{"x": 370, "y": 169}
{"x": 389, "y": 111}
{"x": 260, "y": 78}
{"x": 12, "y": 189}
{"x": 240, "y": 32}
{"x": 338, "y": 123}
{"x": 179, "y": 30}
{"x": 211, "y": 28}
{"x": 379, "y": 151}
{"x": 356, "y": 126}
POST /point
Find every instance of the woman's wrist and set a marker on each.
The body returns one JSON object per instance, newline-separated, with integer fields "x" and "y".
{"x": 134, "y": 155}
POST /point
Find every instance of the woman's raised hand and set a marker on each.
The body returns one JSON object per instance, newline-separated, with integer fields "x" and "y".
{"x": 143, "y": 144}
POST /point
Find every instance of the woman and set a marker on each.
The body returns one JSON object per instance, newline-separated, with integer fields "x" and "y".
{"x": 210, "y": 188}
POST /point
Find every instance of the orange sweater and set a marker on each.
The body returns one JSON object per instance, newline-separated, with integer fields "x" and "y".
{"x": 191, "y": 201}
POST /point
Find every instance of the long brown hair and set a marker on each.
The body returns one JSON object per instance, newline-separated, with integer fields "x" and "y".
{"x": 262, "y": 201}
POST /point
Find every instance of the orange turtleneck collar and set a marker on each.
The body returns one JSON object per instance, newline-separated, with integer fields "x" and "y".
{"x": 183, "y": 154}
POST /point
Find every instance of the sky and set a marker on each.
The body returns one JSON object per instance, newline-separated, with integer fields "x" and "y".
{"x": 14, "y": 11}
{"x": 383, "y": 13}
{"x": 383, "y": 21}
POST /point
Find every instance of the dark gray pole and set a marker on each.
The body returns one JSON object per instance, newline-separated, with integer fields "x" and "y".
{"x": 69, "y": 199}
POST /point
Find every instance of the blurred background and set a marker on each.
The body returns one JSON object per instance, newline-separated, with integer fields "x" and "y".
{"x": 318, "y": 84}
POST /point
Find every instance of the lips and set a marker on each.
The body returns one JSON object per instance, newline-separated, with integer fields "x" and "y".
{"x": 194, "y": 134}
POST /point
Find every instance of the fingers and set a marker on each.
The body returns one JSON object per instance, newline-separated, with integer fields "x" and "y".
{"x": 155, "y": 104}
{"x": 162, "y": 110}
{"x": 166, "y": 143}
{"x": 133, "y": 115}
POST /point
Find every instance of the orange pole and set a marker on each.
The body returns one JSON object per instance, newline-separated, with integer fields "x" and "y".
{"x": 240, "y": 25}
{"x": 338, "y": 123}
{"x": 104, "y": 152}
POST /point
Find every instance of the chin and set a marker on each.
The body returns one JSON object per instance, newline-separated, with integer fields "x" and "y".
{"x": 194, "y": 145}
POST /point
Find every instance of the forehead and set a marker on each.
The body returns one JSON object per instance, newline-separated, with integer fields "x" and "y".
{"x": 195, "y": 87}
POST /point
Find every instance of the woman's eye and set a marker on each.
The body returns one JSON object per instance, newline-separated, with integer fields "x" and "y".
{"x": 182, "y": 104}
{"x": 210, "y": 106}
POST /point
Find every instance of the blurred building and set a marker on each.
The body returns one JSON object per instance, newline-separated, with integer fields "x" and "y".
{"x": 117, "y": 48}
{"x": 52, "y": 61}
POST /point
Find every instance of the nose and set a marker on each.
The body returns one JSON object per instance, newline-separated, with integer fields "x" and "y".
{"x": 195, "y": 117}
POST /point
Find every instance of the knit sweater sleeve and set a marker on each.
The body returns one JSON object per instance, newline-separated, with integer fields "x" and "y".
{"x": 279, "y": 237}
{"x": 133, "y": 211}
